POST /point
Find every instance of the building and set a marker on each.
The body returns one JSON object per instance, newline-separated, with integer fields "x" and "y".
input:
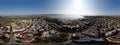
{"x": 80, "y": 38}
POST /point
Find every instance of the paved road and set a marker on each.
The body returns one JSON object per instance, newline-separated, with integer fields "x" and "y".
{"x": 69, "y": 39}
{"x": 12, "y": 40}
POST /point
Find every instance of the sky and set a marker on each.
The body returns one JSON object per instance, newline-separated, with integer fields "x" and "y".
{"x": 78, "y": 7}
{"x": 107, "y": 7}
{"x": 32, "y": 6}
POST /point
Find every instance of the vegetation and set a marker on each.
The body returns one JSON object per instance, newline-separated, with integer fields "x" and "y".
{"x": 55, "y": 39}
{"x": 5, "y": 21}
{"x": 52, "y": 20}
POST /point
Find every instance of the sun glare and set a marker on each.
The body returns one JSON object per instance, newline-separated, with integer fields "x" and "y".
{"x": 76, "y": 9}
{"x": 80, "y": 8}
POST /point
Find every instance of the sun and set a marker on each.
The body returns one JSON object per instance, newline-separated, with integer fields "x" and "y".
{"x": 75, "y": 9}
{"x": 80, "y": 8}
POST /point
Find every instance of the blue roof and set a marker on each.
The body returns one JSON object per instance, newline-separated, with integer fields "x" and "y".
{"x": 18, "y": 37}
{"x": 96, "y": 39}
{"x": 50, "y": 35}
{"x": 30, "y": 34}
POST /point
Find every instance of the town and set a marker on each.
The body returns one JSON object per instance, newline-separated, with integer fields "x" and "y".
{"x": 46, "y": 29}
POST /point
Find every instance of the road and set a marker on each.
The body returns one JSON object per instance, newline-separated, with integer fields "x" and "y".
{"x": 69, "y": 39}
{"x": 12, "y": 40}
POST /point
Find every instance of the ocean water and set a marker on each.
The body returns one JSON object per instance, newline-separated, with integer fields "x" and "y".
{"x": 67, "y": 16}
